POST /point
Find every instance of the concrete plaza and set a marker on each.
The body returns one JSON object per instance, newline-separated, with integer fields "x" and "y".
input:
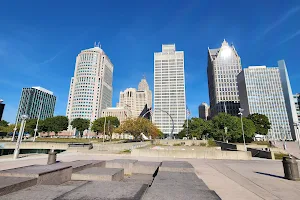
{"x": 230, "y": 179}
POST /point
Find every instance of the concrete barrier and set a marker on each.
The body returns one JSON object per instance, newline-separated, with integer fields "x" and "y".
{"x": 120, "y": 146}
{"x": 261, "y": 153}
{"x": 182, "y": 142}
{"x": 36, "y": 145}
{"x": 233, "y": 155}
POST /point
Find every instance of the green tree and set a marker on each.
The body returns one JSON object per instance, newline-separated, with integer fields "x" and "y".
{"x": 30, "y": 126}
{"x": 261, "y": 122}
{"x": 55, "y": 124}
{"x": 197, "y": 127}
{"x": 249, "y": 129}
{"x": 3, "y": 123}
{"x": 98, "y": 124}
{"x": 80, "y": 124}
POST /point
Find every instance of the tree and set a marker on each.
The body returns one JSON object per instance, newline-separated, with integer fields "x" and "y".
{"x": 55, "y": 124}
{"x": 80, "y": 124}
{"x": 3, "y": 123}
{"x": 30, "y": 126}
{"x": 261, "y": 122}
{"x": 136, "y": 126}
{"x": 249, "y": 129}
{"x": 111, "y": 124}
{"x": 197, "y": 127}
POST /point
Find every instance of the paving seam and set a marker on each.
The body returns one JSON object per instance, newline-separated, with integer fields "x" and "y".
{"x": 58, "y": 198}
{"x": 211, "y": 165}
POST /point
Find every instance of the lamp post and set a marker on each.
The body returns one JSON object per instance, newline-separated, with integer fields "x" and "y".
{"x": 37, "y": 121}
{"x": 225, "y": 129}
{"x": 241, "y": 114}
{"x": 297, "y": 133}
{"x": 20, "y": 136}
{"x": 283, "y": 137}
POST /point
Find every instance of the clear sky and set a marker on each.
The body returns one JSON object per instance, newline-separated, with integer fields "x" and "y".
{"x": 40, "y": 39}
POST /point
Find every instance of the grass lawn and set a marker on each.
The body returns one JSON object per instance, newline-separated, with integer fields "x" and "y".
{"x": 68, "y": 140}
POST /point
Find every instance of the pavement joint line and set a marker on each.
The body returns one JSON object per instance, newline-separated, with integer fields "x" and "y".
{"x": 57, "y": 198}
{"x": 246, "y": 179}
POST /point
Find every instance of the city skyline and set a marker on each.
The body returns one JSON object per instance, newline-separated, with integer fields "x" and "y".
{"x": 50, "y": 49}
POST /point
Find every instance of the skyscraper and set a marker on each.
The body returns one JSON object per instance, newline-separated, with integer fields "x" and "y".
{"x": 262, "y": 91}
{"x": 135, "y": 100}
{"x": 204, "y": 111}
{"x": 2, "y": 105}
{"x": 297, "y": 104}
{"x": 91, "y": 87}
{"x": 224, "y": 64}
{"x": 35, "y": 102}
{"x": 169, "y": 89}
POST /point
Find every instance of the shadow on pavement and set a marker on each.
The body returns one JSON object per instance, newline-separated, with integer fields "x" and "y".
{"x": 270, "y": 175}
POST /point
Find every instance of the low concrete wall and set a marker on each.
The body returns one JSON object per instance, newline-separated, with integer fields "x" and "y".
{"x": 193, "y": 148}
{"x": 227, "y": 146}
{"x": 232, "y": 155}
{"x": 35, "y": 145}
{"x": 183, "y": 142}
{"x": 261, "y": 153}
{"x": 119, "y": 146}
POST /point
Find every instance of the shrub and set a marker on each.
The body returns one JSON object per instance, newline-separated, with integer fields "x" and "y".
{"x": 203, "y": 144}
{"x": 279, "y": 156}
{"x": 177, "y": 144}
{"x": 211, "y": 143}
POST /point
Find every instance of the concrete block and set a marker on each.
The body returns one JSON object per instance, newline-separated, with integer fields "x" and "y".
{"x": 45, "y": 174}
{"x": 44, "y": 192}
{"x": 126, "y": 164}
{"x": 103, "y": 190}
{"x": 142, "y": 167}
{"x": 99, "y": 163}
{"x": 99, "y": 174}
{"x": 79, "y": 165}
{"x": 176, "y": 166}
{"x": 139, "y": 178}
{"x": 13, "y": 184}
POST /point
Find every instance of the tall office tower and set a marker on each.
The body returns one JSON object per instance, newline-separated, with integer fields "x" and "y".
{"x": 135, "y": 100}
{"x": 262, "y": 91}
{"x": 169, "y": 90}
{"x": 297, "y": 104}
{"x": 91, "y": 87}
{"x": 2, "y": 105}
{"x": 36, "y": 102}
{"x": 204, "y": 111}
{"x": 224, "y": 64}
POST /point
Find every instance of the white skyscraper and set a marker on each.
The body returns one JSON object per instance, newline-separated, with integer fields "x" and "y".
{"x": 169, "y": 89}
{"x": 91, "y": 86}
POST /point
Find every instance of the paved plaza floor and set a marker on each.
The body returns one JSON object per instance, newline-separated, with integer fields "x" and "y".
{"x": 230, "y": 179}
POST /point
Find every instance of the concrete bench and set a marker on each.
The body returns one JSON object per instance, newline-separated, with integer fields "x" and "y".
{"x": 99, "y": 174}
{"x": 43, "y": 192}
{"x": 139, "y": 178}
{"x": 176, "y": 166}
{"x": 142, "y": 167}
{"x": 13, "y": 184}
{"x": 106, "y": 191}
{"x": 126, "y": 164}
{"x": 45, "y": 174}
{"x": 79, "y": 165}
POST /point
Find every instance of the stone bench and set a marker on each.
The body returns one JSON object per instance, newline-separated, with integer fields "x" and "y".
{"x": 13, "y": 184}
{"x": 126, "y": 164}
{"x": 176, "y": 166}
{"x": 144, "y": 167}
{"x": 99, "y": 174}
{"x": 139, "y": 178}
{"x": 45, "y": 174}
{"x": 79, "y": 165}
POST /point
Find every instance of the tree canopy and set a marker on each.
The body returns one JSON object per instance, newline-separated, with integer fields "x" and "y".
{"x": 3, "y": 123}
{"x": 98, "y": 124}
{"x": 197, "y": 127}
{"x": 55, "y": 124}
{"x": 261, "y": 122}
{"x": 81, "y": 124}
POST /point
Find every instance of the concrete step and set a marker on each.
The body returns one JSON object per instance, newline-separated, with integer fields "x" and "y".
{"x": 79, "y": 165}
{"x": 13, "y": 184}
{"x": 99, "y": 174}
{"x": 176, "y": 166}
{"x": 103, "y": 190}
{"x": 46, "y": 174}
{"x": 139, "y": 178}
{"x": 44, "y": 192}
{"x": 144, "y": 167}
{"x": 126, "y": 164}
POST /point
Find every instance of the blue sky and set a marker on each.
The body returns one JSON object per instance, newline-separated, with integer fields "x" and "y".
{"x": 39, "y": 41}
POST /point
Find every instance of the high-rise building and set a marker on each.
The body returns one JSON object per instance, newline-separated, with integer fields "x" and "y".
{"x": 224, "y": 64}
{"x": 91, "y": 87}
{"x": 204, "y": 111}
{"x": 36, "y": 102}
{"x": 169, "y": 90}
{"x": 2, "y": 105}
{"x": 135, "y": 100}
{"x": 262, "y": 91}
{"x": 120, "y": 112}
{"x": 297, "y": 105}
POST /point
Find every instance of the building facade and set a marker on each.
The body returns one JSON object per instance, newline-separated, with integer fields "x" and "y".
{"x": 297, "y": 105}
{"x": 169, "y": 90}
{"x": 2, "y": 105}
{"x": 204, "y": 111}
{"x": 224, "y": 64}
{"x": 36, "y": 102}
{"x": 135, "y": 100}
{"x": 120, "y": 112}
{"x": 261, "y": 91}
{"x": 91, "y": 87}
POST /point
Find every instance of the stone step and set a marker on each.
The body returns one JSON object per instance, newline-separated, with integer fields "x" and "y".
{"x": 176, "y": 166}
{"x": 126, "y": 164}
{"x": 106, "y": 190}
{"x": 139, "y": 178}
{"x": 99, "y": 174}
{"x": 79, "y": 165}
{"x": 44, "y": 192}
{"x": 144, "y": 167}
{"x": 13, "y": 184}
{"x": 46, "y": 174}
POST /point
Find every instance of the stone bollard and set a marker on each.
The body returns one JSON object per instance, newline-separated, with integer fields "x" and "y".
{"x": 51, "y": 157}
{"x": 290, "y": 167}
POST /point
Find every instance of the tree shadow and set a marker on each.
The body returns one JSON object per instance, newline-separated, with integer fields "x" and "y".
{"x": 267, "y": 174}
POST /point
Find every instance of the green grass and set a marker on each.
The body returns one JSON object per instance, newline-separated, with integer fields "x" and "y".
{"x": 261, "y": 143}
{"x": 126, "y": 151}
{"x": 202, "y": 144}
{"x": 67, "y": 140}
{"x": 279, "y": 156}
{"x": 177, "y": 144}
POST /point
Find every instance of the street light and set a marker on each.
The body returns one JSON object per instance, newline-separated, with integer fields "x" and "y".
{"x": 241, "y": 114}
{"x": 37, "y": 122}
{"x": 297, "y": 133}
{"x": 20, "y": 136}
{"x": 283, "y": 136}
